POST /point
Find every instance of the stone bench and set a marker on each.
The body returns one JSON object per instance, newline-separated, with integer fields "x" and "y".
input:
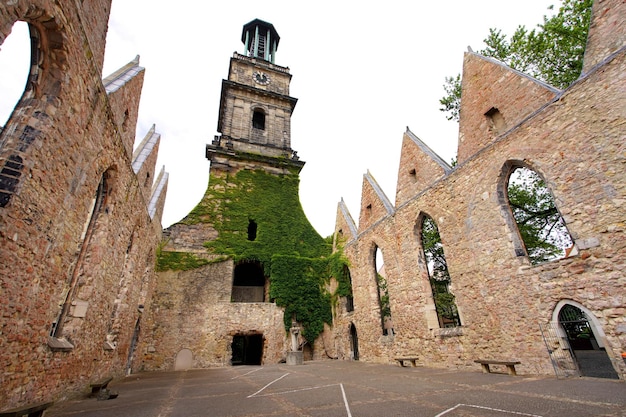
{"x": 96, "y": 387}
{"x": 408, "y": 359}
{"x": 510, "y": 365}
{"x": 33, "y": 410}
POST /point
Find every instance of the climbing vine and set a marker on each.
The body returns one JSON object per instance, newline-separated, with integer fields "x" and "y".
{"x": 296, "y": 258}
{"x": 297, "y": 284}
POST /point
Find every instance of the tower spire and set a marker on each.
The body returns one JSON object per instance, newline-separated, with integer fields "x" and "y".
{"x": 260, "y": 40}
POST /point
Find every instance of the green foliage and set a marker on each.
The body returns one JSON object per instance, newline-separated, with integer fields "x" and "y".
{"x": 383, "y": 293}
{"x": 452, "y": 101}
{"x": 270, "y": 201}
{"x": 338, "y": 269}
{"x": 438, "y": 274}
{"x": 297, "y": 284}
{"x": 294, "y": 256}
{"x": 540, "y": 225}
{"x": 553, "y": 53}
{"x": 178, "y": 261}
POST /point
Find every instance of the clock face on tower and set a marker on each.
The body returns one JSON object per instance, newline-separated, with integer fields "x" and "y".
{"x": 261, "y": 78}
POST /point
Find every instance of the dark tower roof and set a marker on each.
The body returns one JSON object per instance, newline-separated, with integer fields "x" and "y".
{"x": 260, "y": 39}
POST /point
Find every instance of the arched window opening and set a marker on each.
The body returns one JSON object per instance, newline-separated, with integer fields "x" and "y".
{"x": 258, "y": 119}
{"x": 72, "y": 309}
{"x": 383, "y": 293}
{"x": 349, "y": 297}
{"x": 248, "y": 283}
{"x": 438, "y": 275}
{"x": 15, "y": 60}
{"x": 540, "y": 225}
{"x": 252, "y": 226}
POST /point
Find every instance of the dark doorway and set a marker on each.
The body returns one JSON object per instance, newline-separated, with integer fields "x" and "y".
{"x": 591, "y": 358}
{"x": 247, "y": 349}
{"x": 354, "y": 342}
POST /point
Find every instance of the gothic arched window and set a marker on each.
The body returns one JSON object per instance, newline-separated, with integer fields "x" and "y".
{"x": 541, "y": 228}
{"x": 438, "y": 275}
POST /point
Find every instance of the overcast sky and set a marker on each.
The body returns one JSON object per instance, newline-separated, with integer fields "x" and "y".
{"x": 362, "y": 72}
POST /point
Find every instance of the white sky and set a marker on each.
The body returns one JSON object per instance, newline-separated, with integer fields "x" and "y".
{"x": 362, "y": 72}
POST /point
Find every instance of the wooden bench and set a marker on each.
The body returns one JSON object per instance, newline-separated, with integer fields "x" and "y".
{"x": 33, "y": 410}
{"x": 96, "y": 387}
{"x": 510, "y": 365}
{"x": 409, "y": 359}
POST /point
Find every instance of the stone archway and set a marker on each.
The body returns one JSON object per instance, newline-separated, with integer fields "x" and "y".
{"x": 184, "y": 360}
{"x": 586, "y": 339}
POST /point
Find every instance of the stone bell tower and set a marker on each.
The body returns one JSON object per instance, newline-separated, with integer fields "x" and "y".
{"x": 255, "y": 107}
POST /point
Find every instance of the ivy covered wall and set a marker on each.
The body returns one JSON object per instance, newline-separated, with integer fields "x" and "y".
{"x": 295, "y": 258}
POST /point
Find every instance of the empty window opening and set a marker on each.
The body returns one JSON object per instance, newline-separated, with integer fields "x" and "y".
{"x": 258, "y": 120}
{"x": 15, "y": 63}
{"x": 383, "y": 293}
{"x": 252, "y": 230}
{"x": 540, "y": 225}
{"x": 438, "y": 275}
{"x": 248, "y": 283}
{"x": 65, "y": 314}
{"x": 413, "y": 174}
{"x": 247, "y": 349}
{"x": 349, "y": 297}
{"x": 497, "y": 124}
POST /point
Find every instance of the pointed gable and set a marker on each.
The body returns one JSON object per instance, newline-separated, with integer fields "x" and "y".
{"x": 494, "y": 99}
{"x": 144, "y": 159}
{"x": 345, "y": 228}
{"x": 374, "y": 203}
{"x": 419, "y": 167}
{"x": 157, "y": 197}
{"x": 607, "y": 32}
{"x": 123, "y": 88}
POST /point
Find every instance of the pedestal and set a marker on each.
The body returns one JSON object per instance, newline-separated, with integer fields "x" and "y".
{"x": 295, "y": 358}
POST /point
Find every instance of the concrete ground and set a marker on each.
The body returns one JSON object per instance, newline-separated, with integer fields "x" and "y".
{"x": 352, "y": 389}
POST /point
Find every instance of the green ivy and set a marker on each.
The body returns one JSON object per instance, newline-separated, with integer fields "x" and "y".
{"x": 295, "y": 257}
{"x": 298, "y": 285}
{"x": 178, "y": 261}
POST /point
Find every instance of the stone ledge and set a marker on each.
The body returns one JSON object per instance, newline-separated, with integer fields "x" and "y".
{"x": 59, "y": 344}
{"x": 449, "y": 331}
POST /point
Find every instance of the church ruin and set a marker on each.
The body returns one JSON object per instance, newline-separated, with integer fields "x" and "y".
{"x": 94, "y": 288}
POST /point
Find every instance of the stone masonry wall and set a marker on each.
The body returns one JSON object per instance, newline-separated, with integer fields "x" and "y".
{"x": 193, "y": 310}
{"x": 576, "y": 143}
{"x": 54, "y": 151}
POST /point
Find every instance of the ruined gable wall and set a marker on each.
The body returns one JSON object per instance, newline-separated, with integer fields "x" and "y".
{"x": 514, "y": 96}
{"x": 576, "y": 143}
{"x": 64, "y": 134}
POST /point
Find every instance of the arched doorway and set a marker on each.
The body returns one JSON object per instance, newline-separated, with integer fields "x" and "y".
{"x": 586, "y": 339}
{"x": 354, "y": 343}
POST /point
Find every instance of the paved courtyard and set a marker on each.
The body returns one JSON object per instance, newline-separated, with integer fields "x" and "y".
{"x": 352, "y": 389}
